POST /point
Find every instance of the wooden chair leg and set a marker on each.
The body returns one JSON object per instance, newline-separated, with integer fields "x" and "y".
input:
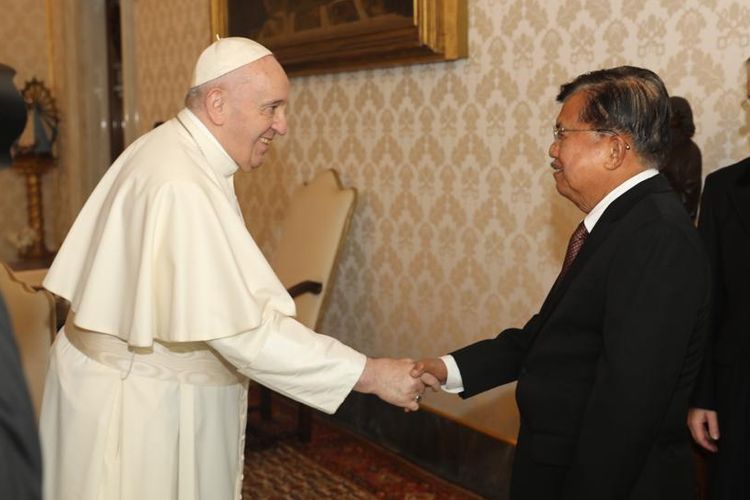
{"x": 304, "y": 423}
{"x": 265, "y": 403}
{"x": 304, "y": 419}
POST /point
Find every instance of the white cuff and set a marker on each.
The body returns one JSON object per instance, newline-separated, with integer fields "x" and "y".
{"x": 453, "y": 382}
{"x": 291, "y": 359}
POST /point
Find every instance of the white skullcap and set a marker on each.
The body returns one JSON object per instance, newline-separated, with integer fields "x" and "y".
{"x": 225, "y": 55}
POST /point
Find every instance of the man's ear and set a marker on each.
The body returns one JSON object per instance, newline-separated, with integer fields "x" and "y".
{"x": 618, "y": 149}
{"x": 216, "y": 105}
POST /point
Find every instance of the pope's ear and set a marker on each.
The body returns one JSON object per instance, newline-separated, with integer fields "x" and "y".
{"x": 215, "y": 102}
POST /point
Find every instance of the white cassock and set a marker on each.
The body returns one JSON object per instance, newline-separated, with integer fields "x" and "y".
{"x": 174, "y": 306}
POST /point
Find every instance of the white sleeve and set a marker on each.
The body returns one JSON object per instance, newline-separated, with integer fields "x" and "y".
{"x": 453, "y": 382}
{"x": 293, "y": 360}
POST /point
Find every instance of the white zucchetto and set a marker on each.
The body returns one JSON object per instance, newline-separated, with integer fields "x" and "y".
{"x": 225, "y": 55}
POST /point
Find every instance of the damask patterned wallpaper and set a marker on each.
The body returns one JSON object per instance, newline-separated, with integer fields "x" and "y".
{"x": 169, "y": 36}
{"x": 459, "y": 231}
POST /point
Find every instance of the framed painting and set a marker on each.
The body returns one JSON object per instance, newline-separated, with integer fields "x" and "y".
{"x": 321, "y": 36}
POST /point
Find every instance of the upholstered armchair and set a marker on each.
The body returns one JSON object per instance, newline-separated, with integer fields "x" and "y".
{"x": 33, "y": 318}
{"x": 312, "y": 233}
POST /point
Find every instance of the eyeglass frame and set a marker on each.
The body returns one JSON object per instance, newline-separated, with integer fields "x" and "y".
{"x": 558, "y": 130}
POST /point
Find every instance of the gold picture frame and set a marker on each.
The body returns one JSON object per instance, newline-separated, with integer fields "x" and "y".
{"x": 428, "y": 31}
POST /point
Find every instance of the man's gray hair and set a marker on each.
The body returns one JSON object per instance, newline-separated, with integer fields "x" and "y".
{"x": 626, "y": 100}
{"x": 194, "y": 97}
{"x": 196, "y": 94}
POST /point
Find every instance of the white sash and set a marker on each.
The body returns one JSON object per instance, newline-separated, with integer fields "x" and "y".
{"x": 192, "y": 363}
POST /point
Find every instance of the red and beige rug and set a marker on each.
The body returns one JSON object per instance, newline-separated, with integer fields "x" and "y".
{"x": 337, "y": 464}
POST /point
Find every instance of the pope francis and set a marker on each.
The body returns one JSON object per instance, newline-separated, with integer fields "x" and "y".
{"x": 173, "y": 307}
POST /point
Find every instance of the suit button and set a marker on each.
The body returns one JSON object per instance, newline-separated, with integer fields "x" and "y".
{"x": 523, "y": 370}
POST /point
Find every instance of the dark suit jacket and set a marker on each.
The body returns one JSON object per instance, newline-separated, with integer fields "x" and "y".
{"x": 606, "y": 368}
{"x": 20, "y": 457}
{"x": 724, "y": 382}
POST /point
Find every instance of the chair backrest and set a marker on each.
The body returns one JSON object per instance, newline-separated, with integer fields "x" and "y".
{"x": 312, "y": 232}
{"x": 32, "y": 315}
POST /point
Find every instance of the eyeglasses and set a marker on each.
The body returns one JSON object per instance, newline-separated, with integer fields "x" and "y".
{"x": 559, "y": 132}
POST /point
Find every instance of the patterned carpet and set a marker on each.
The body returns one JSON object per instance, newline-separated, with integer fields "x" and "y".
{"x": 335, "y": 464}
{"x": 282, "y": 471}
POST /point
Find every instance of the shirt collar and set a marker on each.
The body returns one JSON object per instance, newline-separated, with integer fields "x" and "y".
{"x": 593, "y": 216}
{"x": 218, "y": 158}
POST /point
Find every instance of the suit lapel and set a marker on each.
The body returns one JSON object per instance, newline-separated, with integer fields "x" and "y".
{"x": 739, "y": 194}
{"x": 604, "y": 227}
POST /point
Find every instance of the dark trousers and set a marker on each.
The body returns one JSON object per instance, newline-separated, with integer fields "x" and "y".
{"x": 728, "y": 471}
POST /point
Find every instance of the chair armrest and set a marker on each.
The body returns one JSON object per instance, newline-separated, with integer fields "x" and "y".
{"x": 313, "y": 287}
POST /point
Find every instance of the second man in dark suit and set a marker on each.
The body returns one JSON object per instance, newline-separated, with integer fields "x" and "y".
{"x": 720, "y": 417}
{"x": 606, "y": 367}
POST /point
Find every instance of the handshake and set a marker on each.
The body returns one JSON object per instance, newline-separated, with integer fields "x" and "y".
{"x": 401, "y": 382}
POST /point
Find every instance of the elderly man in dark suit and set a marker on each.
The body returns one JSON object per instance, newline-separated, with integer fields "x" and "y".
{"x": 720, "y": 417}
{"x": 606, "y": 367}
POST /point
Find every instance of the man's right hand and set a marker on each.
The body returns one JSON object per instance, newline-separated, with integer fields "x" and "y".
{"x": 704, "y": 426}
{"x": 391, "y": 380}
{"x": 432, "y": 371}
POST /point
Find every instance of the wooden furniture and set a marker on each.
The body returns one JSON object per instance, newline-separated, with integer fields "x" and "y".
{"x": 32, "y": 273}
{"x": 35, "y": 159}
{"x": 33, "y": 167}
{"x": 312, "y": 233}
{"x": 33, "y": 317}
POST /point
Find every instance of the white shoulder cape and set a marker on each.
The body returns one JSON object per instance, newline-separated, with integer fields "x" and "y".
{"x": 160, "y": 250}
